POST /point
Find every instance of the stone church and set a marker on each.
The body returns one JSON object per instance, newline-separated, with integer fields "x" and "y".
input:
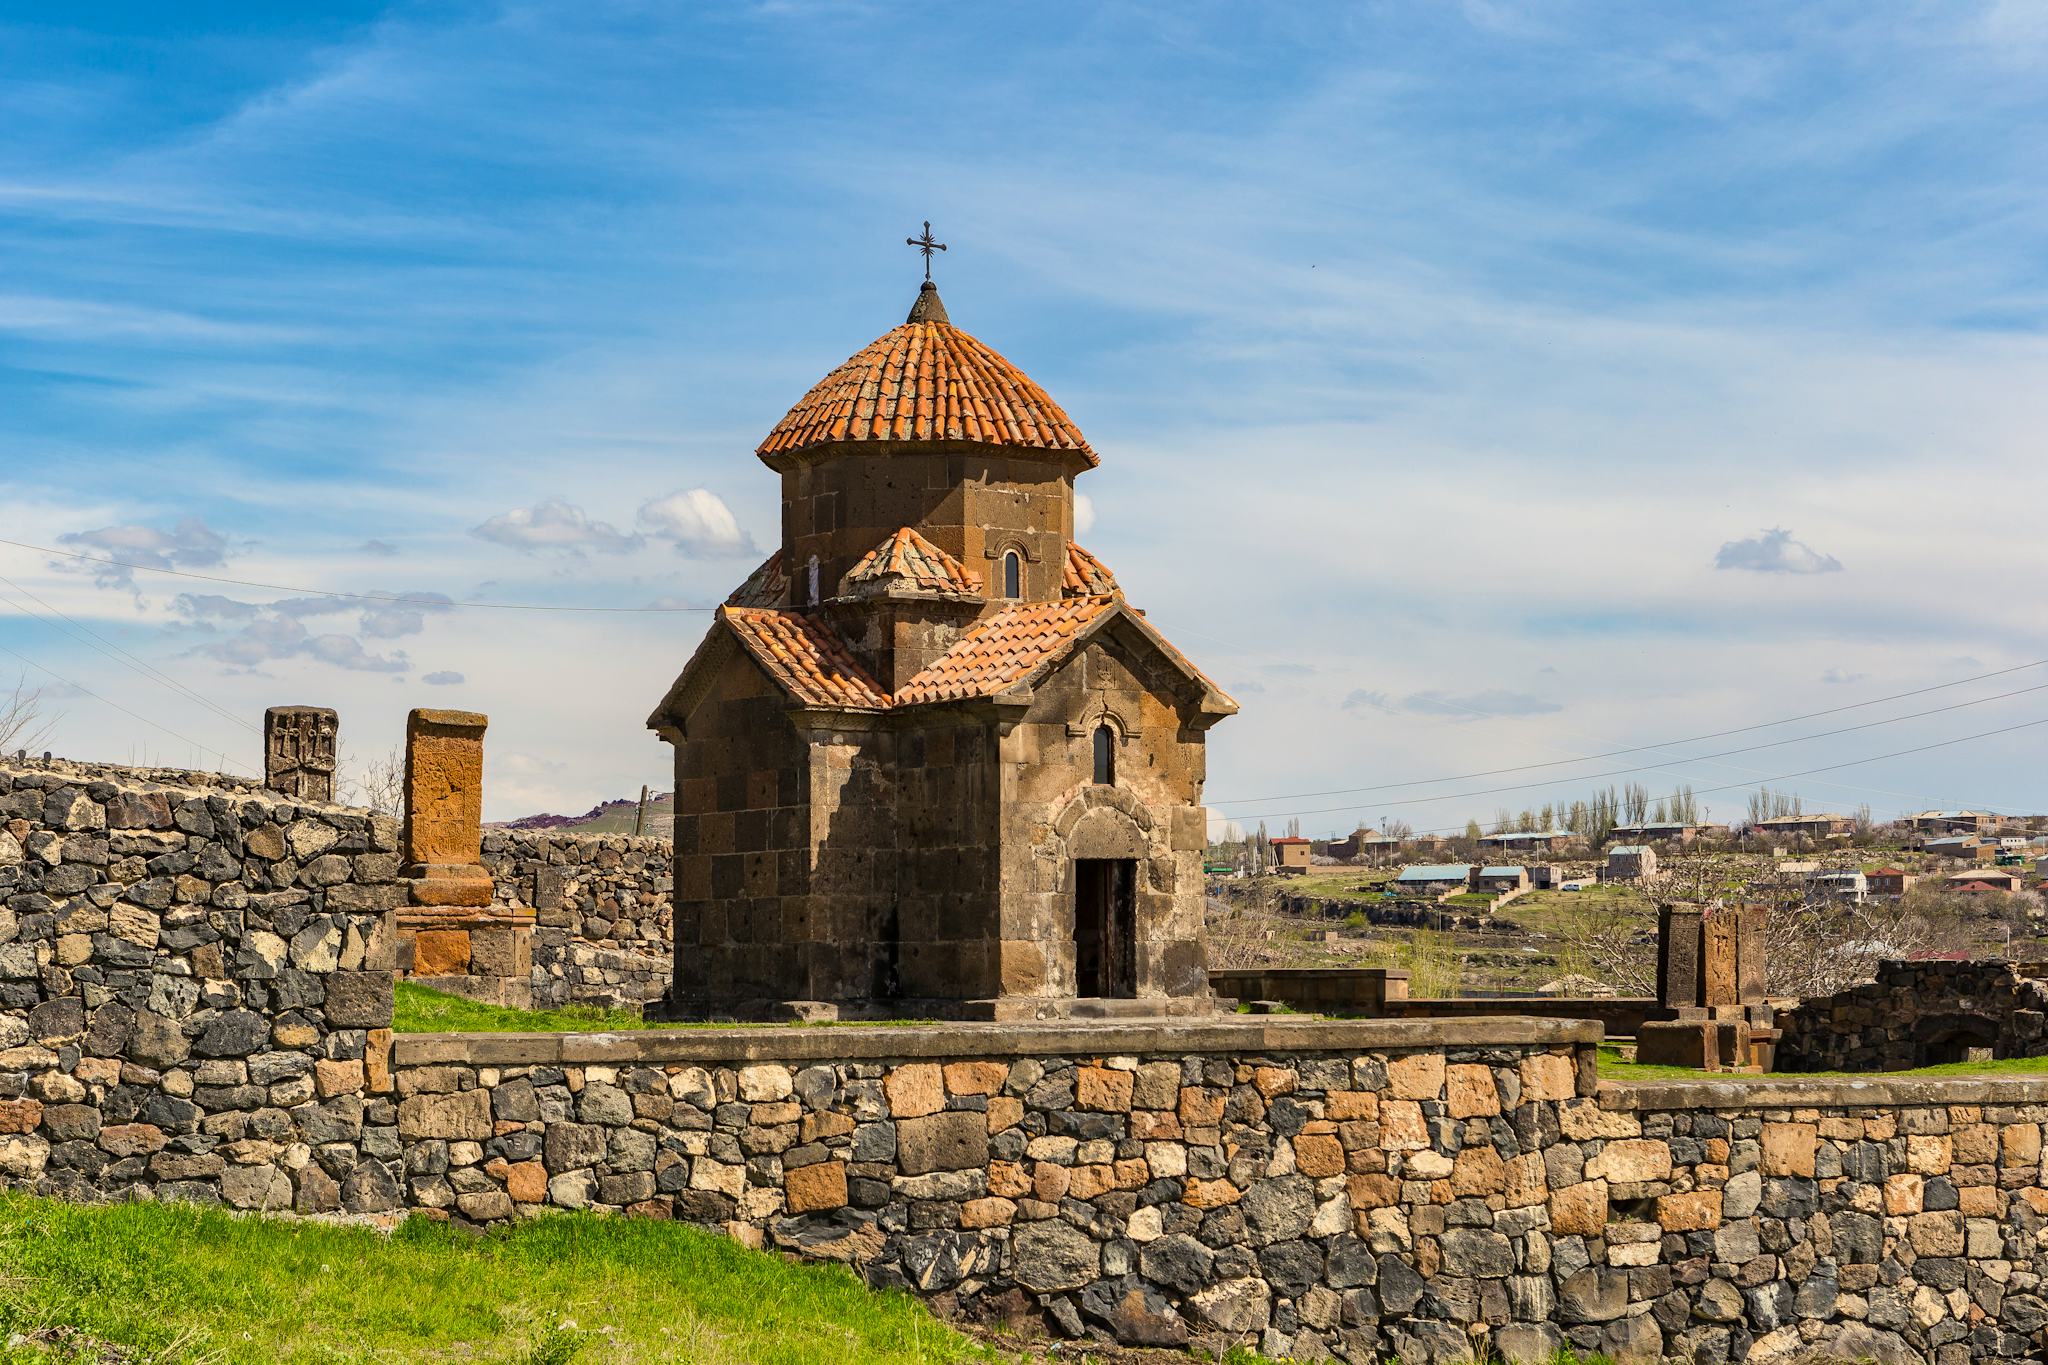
{"x": 929, "y": 761}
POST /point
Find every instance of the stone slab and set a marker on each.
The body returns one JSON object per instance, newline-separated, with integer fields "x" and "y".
{"x": 774, "y": 1043}
{"x": 1769, "y": 1092}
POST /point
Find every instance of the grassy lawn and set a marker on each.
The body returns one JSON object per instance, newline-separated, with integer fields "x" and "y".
{"x": 172, "y": 1284}
{"x": 1613, "y": 1068}
{"x": 421, "y": 1009}
{"x": 177, "y": 1285}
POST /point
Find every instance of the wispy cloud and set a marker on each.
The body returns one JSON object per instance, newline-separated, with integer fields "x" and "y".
{"x": 1490, "y": 703}
{"x": 557, "y": 526}
{"x": 1775, "y": 551}
{"x": 189, "y": 544}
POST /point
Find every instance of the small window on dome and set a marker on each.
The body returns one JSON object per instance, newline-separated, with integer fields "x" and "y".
{"x": 811, "y": 578}
{"x": 1105, "y": 756}
{"x": 1013, "y": 574}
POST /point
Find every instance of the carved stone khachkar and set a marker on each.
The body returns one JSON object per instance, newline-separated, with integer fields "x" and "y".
{"x": 298, "y": 751}
{"x": 444, "y": 801}
{"x": 451, "y": 935}
{"x": 1710, "y": 989}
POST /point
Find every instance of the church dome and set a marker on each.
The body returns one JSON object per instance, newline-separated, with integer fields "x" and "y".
{"x": 927, "y": 381}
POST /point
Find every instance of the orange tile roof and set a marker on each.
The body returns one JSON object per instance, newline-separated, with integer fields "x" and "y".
{"x": 1002, "y": 650}
{"x": 927, "y": 381}
{"x": 1085, "y": 575}
{"x": 767, "y": 586}
{"x": 806, "y": 657}
{"x": 909, "y": 555}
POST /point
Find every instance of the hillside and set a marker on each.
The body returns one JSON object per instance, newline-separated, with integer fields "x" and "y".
{"x": 606, "y": 817}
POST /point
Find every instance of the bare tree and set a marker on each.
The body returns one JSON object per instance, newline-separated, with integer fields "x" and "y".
{"x": 22, "y": 722}
{"x": 380, "y": 785}
{"x": 1814, "y": 943}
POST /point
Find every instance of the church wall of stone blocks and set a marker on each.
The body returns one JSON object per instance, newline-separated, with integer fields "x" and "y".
{"x": 928, "y": 758}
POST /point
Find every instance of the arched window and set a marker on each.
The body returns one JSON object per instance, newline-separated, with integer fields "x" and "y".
{"x": 1105, "y": 756}
{"x": 1013, "y": 574}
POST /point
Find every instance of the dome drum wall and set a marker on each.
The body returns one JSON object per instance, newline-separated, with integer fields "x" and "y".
{"x": 973, "y": 503}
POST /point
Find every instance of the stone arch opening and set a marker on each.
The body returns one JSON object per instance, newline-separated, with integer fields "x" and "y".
{"x": 1955, "y": 1038}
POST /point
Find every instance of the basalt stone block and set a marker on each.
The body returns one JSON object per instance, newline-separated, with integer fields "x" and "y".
{"x": 1054, "y": 1256}
{"x": 232, "y": 1033}
{"x": 954, "y": 1141}
{"x": 299, "y": 751}
{"x": 358, "y": 999}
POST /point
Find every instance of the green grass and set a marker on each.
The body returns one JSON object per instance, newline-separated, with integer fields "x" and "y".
{"x": 177, "y": 1285}
{"x": 174, "y": 1284}
{"x": 422, "y": 1009}
{"x": 1613, "y": 1068}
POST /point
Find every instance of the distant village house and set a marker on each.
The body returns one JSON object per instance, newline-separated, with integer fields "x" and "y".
{"x": 1630, "y": 863}
{"x": 1290, "y": 855}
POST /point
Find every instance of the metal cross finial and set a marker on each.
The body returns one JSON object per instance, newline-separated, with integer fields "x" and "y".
{"x": 926, "y": 245}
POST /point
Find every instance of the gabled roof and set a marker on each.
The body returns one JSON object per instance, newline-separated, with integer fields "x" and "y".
{"x": 1434, "y": 872}
{"x": 908, "y": 559}
{"x": 803, "y": 654}
{"x": 1003, "y": 650}
{"x": 927, "y": 381}
{"x": 767, "y": 586}
{"x": 1085, "y": 575}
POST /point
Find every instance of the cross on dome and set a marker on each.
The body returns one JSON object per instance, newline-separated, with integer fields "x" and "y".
{"x": 927, "y": 246}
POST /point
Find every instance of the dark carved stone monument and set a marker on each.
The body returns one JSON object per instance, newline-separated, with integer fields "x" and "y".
{"x": 1710, "y": 987}
{"x": 298, "y": 751}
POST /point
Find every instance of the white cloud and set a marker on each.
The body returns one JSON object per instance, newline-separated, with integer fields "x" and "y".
{"x": 1842, "y": 675}
{"x": 191, "y": 544}
{"x": 1084, "y": 514}
{"x": 555, "y": 524}
{"x": 1774, "y": 551}
{"x": 407, "y": 616}
{"x": 698, "y": 521}
{"x": 276, "y": 638}
{"x": 443, "y": 678}
{"x": 1492, "y": 702}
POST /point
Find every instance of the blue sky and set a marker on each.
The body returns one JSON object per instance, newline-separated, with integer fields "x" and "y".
{"x": 1476, "y": 384}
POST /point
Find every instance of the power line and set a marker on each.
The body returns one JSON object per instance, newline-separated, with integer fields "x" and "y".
{"x": 1702, "y": 791}
{"x": 202, "y": 748}
{"x": 1675, "y": 759}
{"x": 1652, "y": 767}
{"x": 120, "y": 655}
{"x": 412, "y": 600}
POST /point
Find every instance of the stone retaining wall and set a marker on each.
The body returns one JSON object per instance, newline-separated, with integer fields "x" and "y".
{"x": 1885, "y": 1221}
{"x": 1354, "y": 1191}
{"x": 1916, "y": 1014}
{"x": 195, "y": 993}
{"x": 602, "y": 912}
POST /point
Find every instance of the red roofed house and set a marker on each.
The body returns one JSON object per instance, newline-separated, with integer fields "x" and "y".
{"x": 928, "y": 759}
{"x": 1290, "y": 855}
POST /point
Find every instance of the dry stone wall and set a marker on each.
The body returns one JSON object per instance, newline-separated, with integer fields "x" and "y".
{"x": 1357, "y": 1192}
{"x": 602, "y": 912}
{"x": 1348, "y": 1190}
{"x": 1917, "y": 1014}
{"x": 195, "y": 993}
